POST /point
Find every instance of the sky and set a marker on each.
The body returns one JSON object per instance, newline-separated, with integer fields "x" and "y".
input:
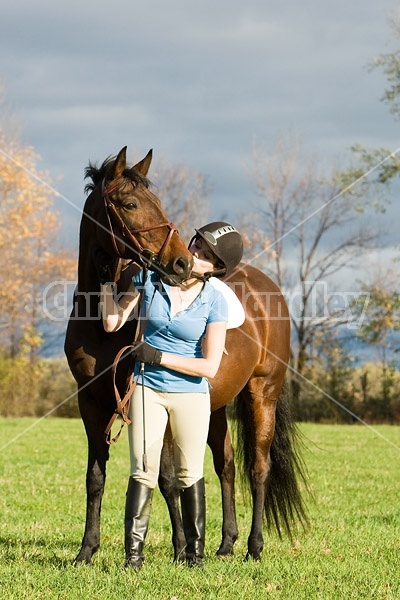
{"x": 199, "y": 82}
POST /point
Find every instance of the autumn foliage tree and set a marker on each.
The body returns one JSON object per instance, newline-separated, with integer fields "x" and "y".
{"x": 29, "y": 262}
{"x": 28, "y": 231}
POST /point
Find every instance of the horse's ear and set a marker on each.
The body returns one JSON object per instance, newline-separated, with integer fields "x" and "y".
{"x": 144, "y": 165}
{"x": 120, "y": 163}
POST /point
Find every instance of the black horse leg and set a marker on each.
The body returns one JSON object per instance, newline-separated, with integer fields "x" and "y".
{"x": 220, "y": 443}
{"x": 255, "y": 542}
{"x": 170, "y": 492}
{"x": 95, "y": 481}
{"x": 262, "y": 401}
{"x": 98, "y": 453}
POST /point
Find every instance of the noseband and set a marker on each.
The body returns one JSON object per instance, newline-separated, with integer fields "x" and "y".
{"x": 152, "y": 260}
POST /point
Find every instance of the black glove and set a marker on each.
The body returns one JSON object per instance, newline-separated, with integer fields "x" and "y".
{"x": 143, "y": 352}
{"x": 103, "y": 263}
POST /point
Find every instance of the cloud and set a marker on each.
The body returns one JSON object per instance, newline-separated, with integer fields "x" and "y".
{"x": 198, "y": 82}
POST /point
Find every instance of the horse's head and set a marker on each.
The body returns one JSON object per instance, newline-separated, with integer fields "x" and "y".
{"x": 129, "y": 219}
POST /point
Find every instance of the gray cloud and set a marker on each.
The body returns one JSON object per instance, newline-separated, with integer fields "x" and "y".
{"x": 198, "y": 82}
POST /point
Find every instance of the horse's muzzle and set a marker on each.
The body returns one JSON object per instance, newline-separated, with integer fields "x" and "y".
{"x": 182, "y": 267}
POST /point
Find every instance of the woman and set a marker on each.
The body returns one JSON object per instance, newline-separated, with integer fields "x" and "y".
{"x": 183, "y": 344}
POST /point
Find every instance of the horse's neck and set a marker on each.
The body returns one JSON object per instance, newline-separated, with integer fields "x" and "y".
{"x": 87, "y": 276}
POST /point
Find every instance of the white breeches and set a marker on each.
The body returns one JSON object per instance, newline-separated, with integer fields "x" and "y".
{"x": 189, "y": 416}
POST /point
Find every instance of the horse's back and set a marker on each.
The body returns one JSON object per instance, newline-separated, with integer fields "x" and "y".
{"x": 261, "y": 346}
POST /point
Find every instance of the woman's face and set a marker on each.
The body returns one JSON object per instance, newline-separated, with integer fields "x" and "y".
{"x": 204, "y": 259}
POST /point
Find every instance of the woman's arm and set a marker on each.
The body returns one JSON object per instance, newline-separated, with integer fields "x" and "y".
{"x": 115, "y": 314}
{"x": 213, "y": 347}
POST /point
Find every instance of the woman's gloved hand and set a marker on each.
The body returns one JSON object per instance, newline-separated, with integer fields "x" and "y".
{"x": 143, "y": 352}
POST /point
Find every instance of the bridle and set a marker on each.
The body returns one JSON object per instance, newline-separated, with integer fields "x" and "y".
{"x": 152, "y": 260}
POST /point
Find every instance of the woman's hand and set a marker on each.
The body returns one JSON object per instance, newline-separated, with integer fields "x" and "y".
{"x": 115, "y": 310}
{"x": 213, "y": 347}
{"x": 144, "y": 353}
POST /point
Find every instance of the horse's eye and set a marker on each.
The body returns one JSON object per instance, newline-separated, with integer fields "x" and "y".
{"x": 131, "y": 205}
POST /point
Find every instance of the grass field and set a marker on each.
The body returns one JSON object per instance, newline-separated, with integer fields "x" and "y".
{"x": 351, "y": 551}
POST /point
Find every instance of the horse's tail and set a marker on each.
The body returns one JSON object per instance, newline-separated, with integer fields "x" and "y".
{"x": 284, "y": 503}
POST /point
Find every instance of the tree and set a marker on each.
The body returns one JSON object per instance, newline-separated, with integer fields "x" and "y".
{"x": 381, "y": 320}
{"x": 385, "y": 162}
{"x": 382, "y": 317}
{"x": 29, "y": 262}
{"x": 390, "y": 64}
{"x": 330, "y": 398}
{"x": 183, "y": 193}
{"x": 28, "y": 231}
{"x": 318, "y": 226}
{"x": 377, "y": 396}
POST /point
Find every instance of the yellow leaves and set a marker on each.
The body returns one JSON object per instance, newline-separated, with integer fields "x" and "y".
{"x": 383, "y": 313}
{"x": 31, "y": 339}
{"x": 28, "y": 229}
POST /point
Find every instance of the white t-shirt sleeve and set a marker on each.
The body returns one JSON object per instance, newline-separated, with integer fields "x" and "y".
{"x": 236, "y": 314}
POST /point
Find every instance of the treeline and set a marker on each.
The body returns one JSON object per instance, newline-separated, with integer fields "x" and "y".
{"x": 341, "y": 394}
{"x": 349, "y": 394}
{"x": 35, "y": 388}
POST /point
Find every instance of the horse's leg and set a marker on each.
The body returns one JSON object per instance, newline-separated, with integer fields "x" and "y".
{"x": 98, "y": 453}
{"x": 168, "y": 488}
{"x": 261, "y": 398}
{"x": 220, "y": 443}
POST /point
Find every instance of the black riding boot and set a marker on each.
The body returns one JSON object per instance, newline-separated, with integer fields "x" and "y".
{"x": 137, "y": 515}
{"x": 193, "y": 503}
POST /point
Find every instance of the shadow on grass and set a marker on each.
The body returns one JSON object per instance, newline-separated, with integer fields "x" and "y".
{"x": 30, "y": 550}
{"x": 388, "y": 519}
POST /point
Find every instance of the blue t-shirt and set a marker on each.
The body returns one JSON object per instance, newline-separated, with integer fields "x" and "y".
{"x": 182, "y": 334}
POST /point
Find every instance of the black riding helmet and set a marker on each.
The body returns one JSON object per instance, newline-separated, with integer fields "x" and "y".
{"x": 225, "y": 242}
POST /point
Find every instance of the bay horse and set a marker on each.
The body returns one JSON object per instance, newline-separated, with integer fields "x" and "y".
{"x": 252, "y": 371}
{"x": 123, "y": 217}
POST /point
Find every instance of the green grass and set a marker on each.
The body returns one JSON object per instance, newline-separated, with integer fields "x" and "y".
{"x": 351, "y": 551}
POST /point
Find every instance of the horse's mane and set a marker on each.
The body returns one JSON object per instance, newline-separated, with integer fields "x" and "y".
{"x": 97, "y": 174}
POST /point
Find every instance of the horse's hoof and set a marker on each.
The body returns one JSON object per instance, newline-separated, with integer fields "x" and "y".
{"x": 180, "y": 558}
{"x": 256, "y": 556}
{"x": 223, "y": 552}
{"x": 82, "y": 559}
{"x": 195, "y": 562}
